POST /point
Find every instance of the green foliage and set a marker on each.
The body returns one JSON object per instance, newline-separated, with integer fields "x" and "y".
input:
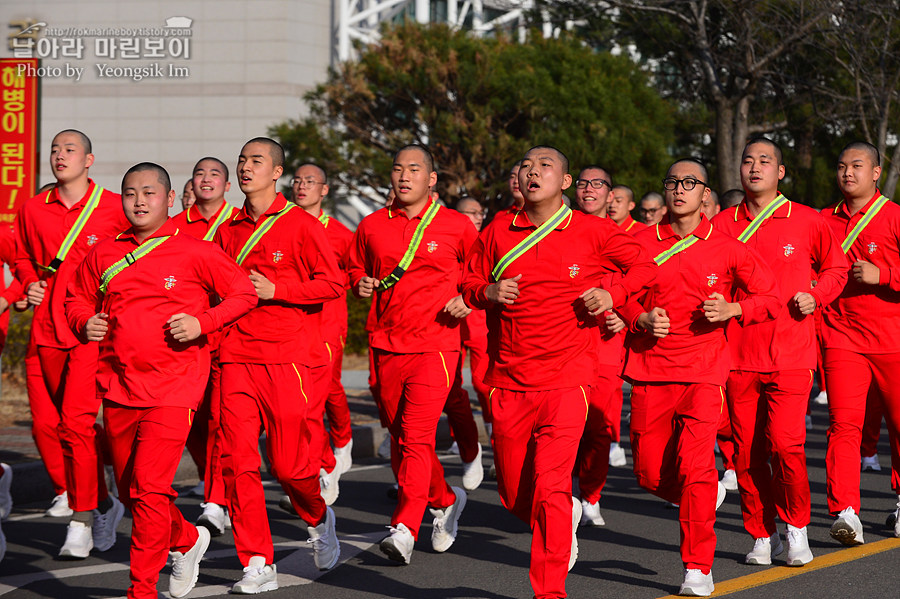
{"x": 357, "y": 312}
{"x": 16, "y": 343}
{"x": 479, "y": 104}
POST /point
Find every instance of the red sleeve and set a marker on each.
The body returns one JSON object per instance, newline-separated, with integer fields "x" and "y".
{"x": 83, "y": 297}
{"x": 326, "y": 278}
{"x": 14, "y": 291}
{"x": 23, "y": 268}
{"x": 227, "y": 280}
{"x": 757, "y": 280}
{"x": 830, "y": 263}
{"x": 465, "y": 246}
{"x": 630, "y": 311}
{"x": 477, "y": 274}
{"x": 632, "y": 259}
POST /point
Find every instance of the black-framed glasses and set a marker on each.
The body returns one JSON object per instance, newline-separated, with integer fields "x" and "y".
{"x": 595, "y": 183}
{"x": 687, "y": 184}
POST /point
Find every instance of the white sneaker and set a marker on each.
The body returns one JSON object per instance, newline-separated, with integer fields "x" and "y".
{"x": 870, "y": 463}
{"x": 344, "y": 456}
{"x": 473, "y": 472}
{"x": 59, "y": 508}
{"x": 104, "y": 529}
{"x": 214, "y": 518}
{"x": 384, "y": 450}
{"x": 399, "y": 545}
{"x": 259, "y": 577}
{"x": 729, "y": 480}
{"x": 326, "y": 547}
{"x": 453, "y": 449}
{"x": 847, "y": 529}
{"x": 616, "y": 455}
{"x": 720, "y": 495}
{"x": 197, "y": 490}
{"x": 821, "y": 399}
{"x": 79, "y": 541}
{"x": 446, "y": 522}
{"x": 109, "y": 475}
{"x": 186, "y": 566}
{"x": 576, "y": 519}
{"x": 285, "y": 504}
{"x": 893, "y": 520}
{"x": 764, "y": 549}
{"x": 492, "y": 472}
{"x": 489, "y": 429}
{"x": 328, "y": 485}
{"x": 6, "y": 502}
{"x": 590, "y": 514}
{"x": 697, "y": 584}
{"x": 798, "y": 553}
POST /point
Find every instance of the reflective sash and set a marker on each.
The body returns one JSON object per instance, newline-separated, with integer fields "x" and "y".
{"x": 258, "y": 234}
{"x": 676, "y": 249}
{"x": 224, "y": 214}
{"x": 418, "y": 234}
{"x": 863, "y": 223}
{"x": 532, "y": 240}
{"x": 130, "y": 258}
{"x": 75, "y": 231}
{"x": 324, "y": 218}
{"x": 757, "y": 222}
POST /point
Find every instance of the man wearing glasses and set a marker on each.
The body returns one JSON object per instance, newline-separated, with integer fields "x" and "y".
{"x": 309, "y": 188}
{"x": 592, "y": 190}
{"x": 772, "y": 362}
{"x": 675, "y": 402}
{"x": 653, "y": 208}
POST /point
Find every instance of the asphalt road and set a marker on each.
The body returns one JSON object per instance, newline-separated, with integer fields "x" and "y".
{"x": 634, "y": 556}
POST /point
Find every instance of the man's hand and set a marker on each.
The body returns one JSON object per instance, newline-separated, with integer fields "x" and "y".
{"x": 866, "y": 272}
{"x": 457, "y": 308}
{"x": 504, "y": 291}
{"x": 21, "y": 305}
{"x": 265, "y": 289}
{"x": 806, "y": 303}
{"x": 597, "y": 300}
{"x": 367, "y": 286}
{"x": 614, "y": 323}
{"x": 717, "y": 309}
{"x": 96, "y": 327}
{"x": 183, "y": 327}
{"x": 35, "y": 292}
{"x": 655, "y": 322}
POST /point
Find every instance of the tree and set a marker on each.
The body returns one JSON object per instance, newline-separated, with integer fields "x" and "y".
{"x": 479, "y": 104}
{"x": 722, "y": 53}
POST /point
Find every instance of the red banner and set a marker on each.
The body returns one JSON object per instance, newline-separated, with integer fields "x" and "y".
{"x": 18, "y": 133}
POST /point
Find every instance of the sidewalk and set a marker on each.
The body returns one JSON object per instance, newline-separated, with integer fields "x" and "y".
{"x": 31, "y": 483}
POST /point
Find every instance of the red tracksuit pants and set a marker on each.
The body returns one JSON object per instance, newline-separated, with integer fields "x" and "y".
{"x": 71, "y": 374}
{"x": 478, "y": 364}
{"x": 673, "y": 435}
{"x": 592, "y": 465}
{"x": 536, "y": 435}
{"x": 768, "y": 418}
{"x": 205, "y": 441}
{"x": 460, "y": 417}
{"x": 413, "y": 389}
{"x": 45, "y": 421}
{"x": 146, "y": 446}
{"x": 336, "y": 407}
{"x": 871, "y": 432}
{"x": 849, "y": 376}
{"x": 725, "y": 439}
{"x": 273, "y": 397}
{"x": 320, "y": 452}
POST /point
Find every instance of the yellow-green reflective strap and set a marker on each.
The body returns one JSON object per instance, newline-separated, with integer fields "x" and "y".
{"x": 324, "y": 218}
{"x": 130, "y": 258}
{"x": 676, "y": 249}
{"x": 224, "y": 215}
{"x": 76, "y": 229}
{"x": 258, "y": 234}
{"x": 532, "y": 240}
{"x": 418, "y": 234}
{"x": 863, "y": 223}
{"x": 757, "y": 222}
